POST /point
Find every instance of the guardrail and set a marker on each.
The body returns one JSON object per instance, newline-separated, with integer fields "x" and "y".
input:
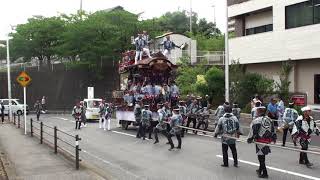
{"x": 59, "y": 140}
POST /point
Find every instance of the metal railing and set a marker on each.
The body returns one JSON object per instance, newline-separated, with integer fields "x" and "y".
{"x": 201, "y": 57}
{"x": 59, "y": 140}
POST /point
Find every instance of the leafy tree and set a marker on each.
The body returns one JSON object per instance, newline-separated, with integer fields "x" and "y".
{"x": 250, "y": 84}
{"x": 177, "y": 22}
{"x": 237, "y": 72}
{"x": 187, "y": 77}
{"x": 206, "y": 29}
{"x": 3, "y": 53}
{"x": 283, "y": 86}
{"x": 102, "y": 34}
{"x": 209, "y": 44}
{"x": 214, "y": 85}
{"x": 37, "y": 38}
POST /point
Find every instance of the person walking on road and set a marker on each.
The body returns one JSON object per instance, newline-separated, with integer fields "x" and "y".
{"x": 175, "y": 123}
{"x": 183, "y": 112}
{"x": 219, "y": 112}
{"x": 83, "y": 114}
{"x": 137, "y": 115}
{"x": 228, "y": 126}
{"x": 77, "y": 114}
{"x": 38, "y": 108}
{"x": 102, "y": 111}
{"x": 107, "y": 117}
{"x": 43, "y": 104}
{"x": 272, "y": 110}
{"x": 304, "y": 127}
{"x": 161, "y": 126}
{"x": 290, "y": 116}
{"x": 192, "y": 109}
{"x": 236, "y": 111}
{"x": 146, "y": 118}
{"x": 2, "y": 111}
{"x": 262, "y": 131}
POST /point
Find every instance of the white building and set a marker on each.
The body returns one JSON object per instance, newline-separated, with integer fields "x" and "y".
{"x": 268, "y": 32}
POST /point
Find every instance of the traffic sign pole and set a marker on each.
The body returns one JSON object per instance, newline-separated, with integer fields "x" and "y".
{"x": 25, "y": 109}
{"x": 24, "y": 80}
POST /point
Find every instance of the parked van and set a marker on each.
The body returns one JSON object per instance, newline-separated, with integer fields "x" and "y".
{"x": 16, "y": 106}
{"x": 92, "y": 105}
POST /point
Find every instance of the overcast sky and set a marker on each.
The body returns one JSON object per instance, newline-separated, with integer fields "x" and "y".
{"x": 18, "y": 11}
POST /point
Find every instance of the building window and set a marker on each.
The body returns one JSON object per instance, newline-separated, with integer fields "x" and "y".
{"x": 317, "y": 11}
{"x": 260, "y": 29}
{"x": 303, "y": 14}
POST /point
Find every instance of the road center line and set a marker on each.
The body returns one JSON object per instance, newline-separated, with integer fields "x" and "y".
{"x": 62, "y": 118}
{"x": 111, "y": 164}
{"x": 126, "y": 134}
{"x": 275, "y": 169}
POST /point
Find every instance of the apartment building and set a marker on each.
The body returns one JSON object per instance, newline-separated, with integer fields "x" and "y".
{"x": 268, "y": 32}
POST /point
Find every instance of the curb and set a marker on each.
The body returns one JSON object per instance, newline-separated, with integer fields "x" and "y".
{"x": 3, "y": 172}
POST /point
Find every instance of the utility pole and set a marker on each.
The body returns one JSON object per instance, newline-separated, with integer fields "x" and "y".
{"x": 214, "y": 13}
{"x": 80, "y": 10}
{"x": 226, "y": 61}
{"x": 80, "y": 5}
{"x": 191, "y": 16}
{"x": 9, "y": 78}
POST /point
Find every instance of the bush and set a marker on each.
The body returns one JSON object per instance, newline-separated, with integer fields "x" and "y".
{"x": 187, "y": 77}
{"x": 247, "y": 108}
{"x": 251, "y": 84}
{"x": 214, "y": 85}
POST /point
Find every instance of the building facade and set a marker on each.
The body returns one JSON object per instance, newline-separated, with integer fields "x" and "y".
{"x": 268, "y": 32}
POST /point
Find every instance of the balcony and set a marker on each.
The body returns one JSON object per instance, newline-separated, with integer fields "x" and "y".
{"x": 209, "y": 58}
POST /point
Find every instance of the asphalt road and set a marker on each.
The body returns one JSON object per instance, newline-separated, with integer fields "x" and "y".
{"x": 117, "y": 154}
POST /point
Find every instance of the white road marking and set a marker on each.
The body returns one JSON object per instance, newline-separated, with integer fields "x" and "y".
{"x": 315, "y": 148}
{"x": 200, "y": 134}
{"x": 126, "y": 134}
{"x": 111, "y": 164}
{"x": 275, "y": 169}
{"x": 61, "y": 118}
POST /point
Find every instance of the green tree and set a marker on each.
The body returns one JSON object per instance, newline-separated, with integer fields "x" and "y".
{"x": 237, "y": 72}
{"x": 283, "y": 86}
{"x": 102, "y": 34}
{"x": 214, "y": 85}
{"x": 3, "y": 53}
{"x": 250, "y": 84}
{"x": 187, "y": 77}
{"x": 206, "y": 29}
{"x": 204, "y": 43}
{"x": 37, "y": 38}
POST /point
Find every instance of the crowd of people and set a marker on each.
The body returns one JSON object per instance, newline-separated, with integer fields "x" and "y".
{"x": 175, "y": 120}
{"x": 263, "y": 128}
{"x": 151, "y": 92}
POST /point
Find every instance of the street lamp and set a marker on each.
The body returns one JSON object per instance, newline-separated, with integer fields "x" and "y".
{"x": 226, "y": 62}
{"x": 226, "y": 52}
{"x": 9, "y": 71}
{"x": 9, "y": 78}
{"x": 191, "y": 16}
{"x": 214, "y": 11}
{"x": 80, "y": 5}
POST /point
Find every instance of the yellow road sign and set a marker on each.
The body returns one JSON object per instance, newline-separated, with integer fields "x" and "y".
{"x": 24, "y": 79}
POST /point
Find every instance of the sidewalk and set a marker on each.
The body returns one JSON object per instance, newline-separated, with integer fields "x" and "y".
{"x": 26, "y": 159}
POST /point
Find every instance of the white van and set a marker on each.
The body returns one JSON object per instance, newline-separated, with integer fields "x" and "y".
{"x": 92, "y": 105}
{"x": 16, "y": 106}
